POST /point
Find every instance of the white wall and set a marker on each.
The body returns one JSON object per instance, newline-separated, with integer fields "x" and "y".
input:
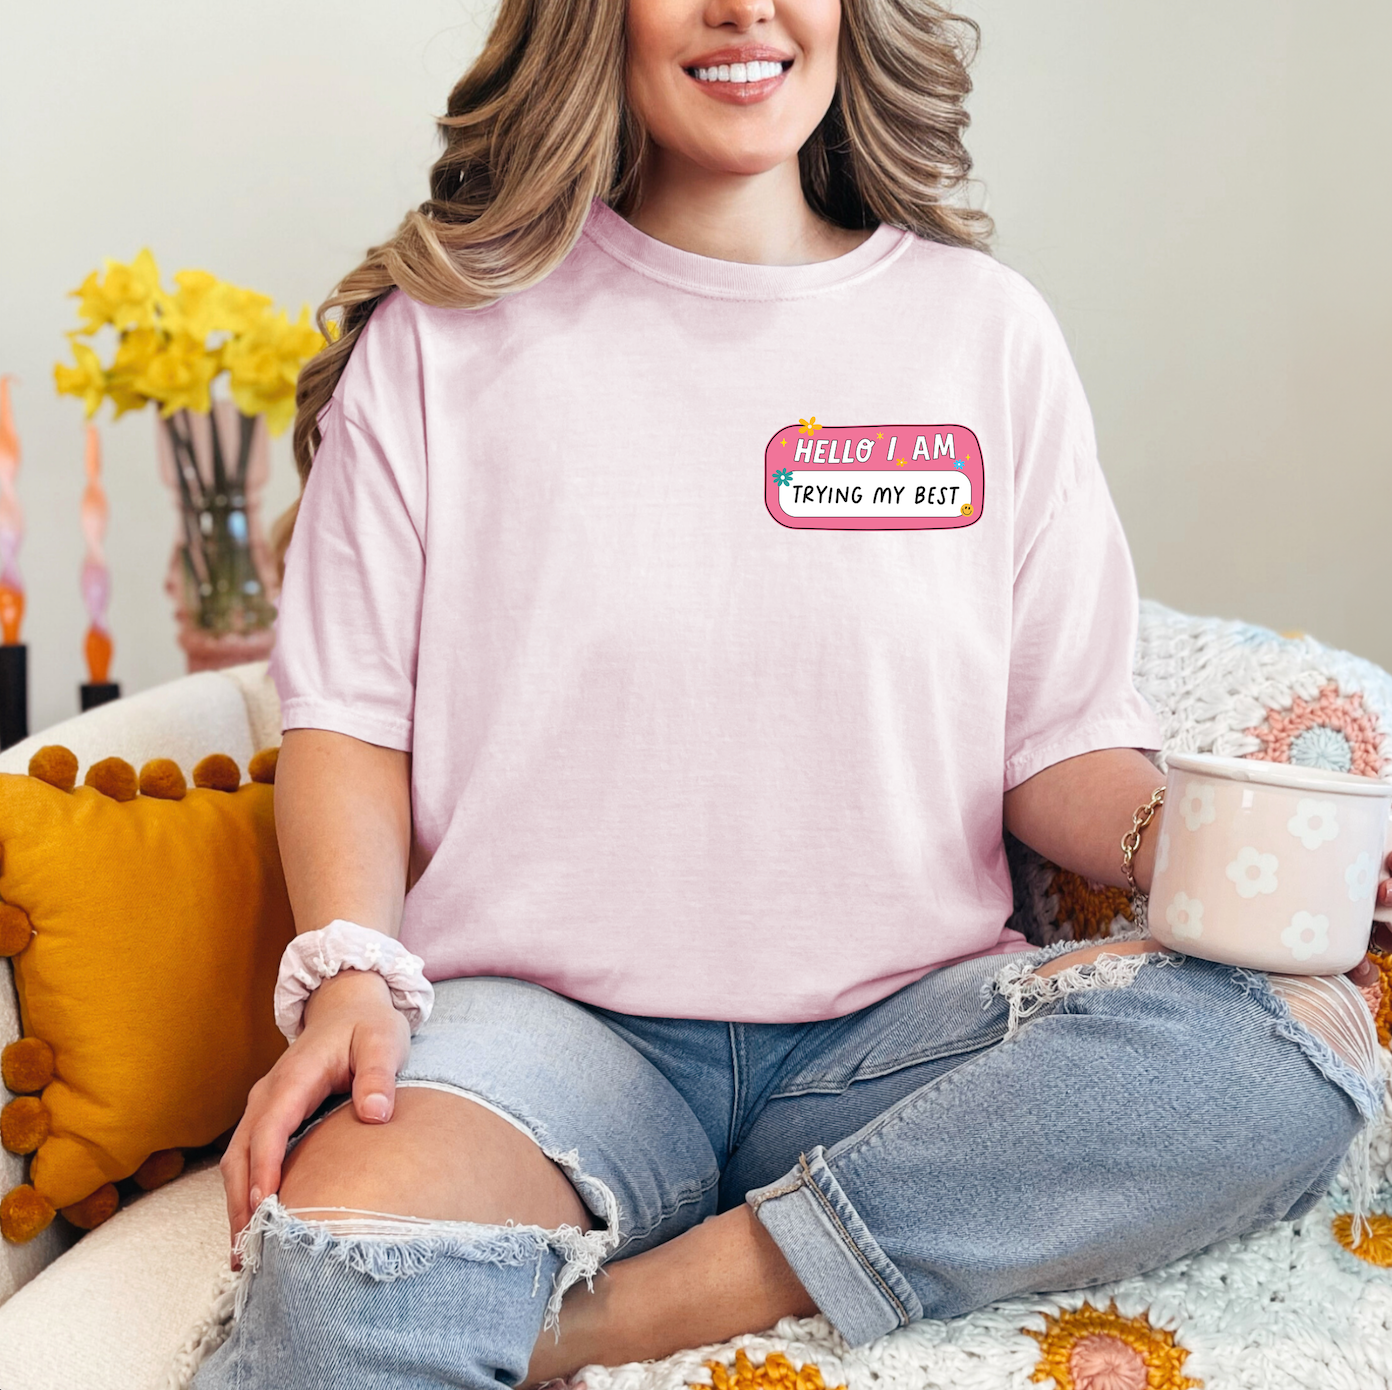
{"x": 1200, "y": 189}
{"x": 269, "y": 143}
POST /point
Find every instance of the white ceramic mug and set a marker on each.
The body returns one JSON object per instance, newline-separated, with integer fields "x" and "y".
{"x": 1269, "y": 865}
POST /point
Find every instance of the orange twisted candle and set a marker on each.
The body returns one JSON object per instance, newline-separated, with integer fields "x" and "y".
{"x": 11, "y": 523}
{"x": 96, "y": 580}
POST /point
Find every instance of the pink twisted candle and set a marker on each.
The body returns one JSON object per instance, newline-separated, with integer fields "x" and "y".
{"x": 96, "y": 580}
{"x": 11, "y": 523}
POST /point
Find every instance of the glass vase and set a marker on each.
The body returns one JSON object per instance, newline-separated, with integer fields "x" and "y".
{"x": 221, "y": 575}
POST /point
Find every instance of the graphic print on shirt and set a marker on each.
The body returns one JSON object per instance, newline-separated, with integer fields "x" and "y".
{"x": 874, "y": 477}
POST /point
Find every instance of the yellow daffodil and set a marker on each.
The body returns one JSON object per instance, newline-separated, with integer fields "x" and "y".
{"x": 239, "y": 310}
{"x": 264, "y": 365}
{"x": 86, "y": 379}
{"x": 172, "y": 346}
{"x": 126, "y": 298}
{"x": 125, "y": 398}
{"x": 192, "y": 309}
{"x": 134, "y": 353}
{"x": 303, "y": 338}
{"x": 179, "y": 375}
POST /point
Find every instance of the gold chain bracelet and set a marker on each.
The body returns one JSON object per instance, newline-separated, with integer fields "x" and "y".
{"x": 1131, "y": 841}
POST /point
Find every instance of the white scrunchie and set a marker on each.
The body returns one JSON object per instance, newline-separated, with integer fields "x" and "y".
{"x": 316, "y": 956}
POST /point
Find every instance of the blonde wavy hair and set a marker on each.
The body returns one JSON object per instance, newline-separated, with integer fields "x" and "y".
{"x": 538, "y": 127}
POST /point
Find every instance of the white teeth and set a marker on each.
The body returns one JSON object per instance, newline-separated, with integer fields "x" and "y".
{"x": 739, "y": 72}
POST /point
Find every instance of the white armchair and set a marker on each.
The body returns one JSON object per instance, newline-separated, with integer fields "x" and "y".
{"x": 113, "y": 1311}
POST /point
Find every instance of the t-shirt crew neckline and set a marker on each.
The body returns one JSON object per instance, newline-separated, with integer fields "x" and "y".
{"x": 717, "y": 279}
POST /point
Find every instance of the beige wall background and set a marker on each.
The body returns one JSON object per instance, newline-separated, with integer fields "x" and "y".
{"x": 1200, "y": 190}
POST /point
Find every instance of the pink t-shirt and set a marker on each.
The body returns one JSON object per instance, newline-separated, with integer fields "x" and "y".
{"x": 718, "y": 604}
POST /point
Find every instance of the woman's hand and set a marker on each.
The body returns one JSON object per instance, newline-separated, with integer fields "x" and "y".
{"x": 343, "y": 823}
{"x": 353, "y": 1038}
{"x": 1382, "y": 931}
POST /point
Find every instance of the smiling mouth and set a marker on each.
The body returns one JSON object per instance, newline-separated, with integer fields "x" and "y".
{"x": 740, "y": 74}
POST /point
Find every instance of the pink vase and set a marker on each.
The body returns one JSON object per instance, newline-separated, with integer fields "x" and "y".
{"x": 221, "y": 574}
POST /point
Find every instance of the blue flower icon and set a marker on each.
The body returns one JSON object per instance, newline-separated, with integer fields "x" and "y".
{"x": 782, "y": 477}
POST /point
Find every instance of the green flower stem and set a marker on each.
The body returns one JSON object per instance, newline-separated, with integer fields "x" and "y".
{"x": 219, "y": 466}
{"x": 223, "y": 592}
{"x": 188, "y": 511}
{"x": 247, "y": 425}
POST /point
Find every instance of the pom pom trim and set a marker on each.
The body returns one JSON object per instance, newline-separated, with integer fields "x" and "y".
{"x": 24, "y": 1213}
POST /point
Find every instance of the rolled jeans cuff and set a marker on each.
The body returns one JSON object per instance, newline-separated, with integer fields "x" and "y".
{"x": 833, "y": 1254}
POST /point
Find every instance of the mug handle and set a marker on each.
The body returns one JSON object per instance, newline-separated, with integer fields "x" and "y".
{"x": 1384, "y": 914}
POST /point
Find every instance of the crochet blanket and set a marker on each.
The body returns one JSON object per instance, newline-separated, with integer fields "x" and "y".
{"x": 1296, "y": 1305}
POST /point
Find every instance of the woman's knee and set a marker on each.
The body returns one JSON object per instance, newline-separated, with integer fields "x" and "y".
{"x": 443, "y": 1239}
{"x": 440, "y": 1157}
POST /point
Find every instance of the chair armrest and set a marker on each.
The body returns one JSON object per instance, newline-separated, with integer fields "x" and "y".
{"x": 114, "y": 1311}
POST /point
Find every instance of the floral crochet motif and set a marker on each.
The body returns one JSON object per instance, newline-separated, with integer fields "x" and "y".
{"x": 776, "y": 1373}
{"x": 1097, "y": 1349}
{"x": 1383, "y": 1017}
{"x": 1090, "y": 907}
{"x": 1376, "y": 1244}
{"x": 1334, "y": 732}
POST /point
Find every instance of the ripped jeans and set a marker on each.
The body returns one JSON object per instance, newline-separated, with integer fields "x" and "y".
{"x": 978, "y": 1135}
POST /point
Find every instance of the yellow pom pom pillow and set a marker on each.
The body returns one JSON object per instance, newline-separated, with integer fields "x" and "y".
{"x": 145, "y": 921}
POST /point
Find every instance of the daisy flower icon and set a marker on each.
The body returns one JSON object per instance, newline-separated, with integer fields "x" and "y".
{"x": 782, "y": 477}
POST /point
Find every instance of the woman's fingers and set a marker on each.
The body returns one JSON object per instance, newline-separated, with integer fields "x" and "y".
{"x": 355, "y": 1036}
{"x": 290, "y": 1098}
{"x": 234, "y": 1183}
{"x": 276, "y": 1106}
{"x": 377, "y": 1055}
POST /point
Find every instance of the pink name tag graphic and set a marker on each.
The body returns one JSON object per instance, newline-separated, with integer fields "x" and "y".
{"x": 874, "y": 477}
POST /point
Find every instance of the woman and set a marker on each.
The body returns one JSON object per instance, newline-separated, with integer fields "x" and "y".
{"x": 696, "y": 780}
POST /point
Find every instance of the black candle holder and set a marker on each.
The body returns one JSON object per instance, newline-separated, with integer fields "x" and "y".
{"x": 14, "y": 693}
{"x": 96, "y": 693}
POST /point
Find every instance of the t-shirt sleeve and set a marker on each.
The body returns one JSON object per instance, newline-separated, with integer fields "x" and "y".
{"x": 349, "y": 619}
{"x": 1075, "y": 607}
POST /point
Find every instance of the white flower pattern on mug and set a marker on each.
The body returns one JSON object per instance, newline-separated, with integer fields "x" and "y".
{"x": 1253, "y": 872}
{"x": 1162, "y": 852}
{"x": 1307, "y": 935}
{"x": 1185, "y": 916}
{"x": 1361, "y": 877}
{"x": 1314, "y": 822}
{"x": 1197, "y": 807}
